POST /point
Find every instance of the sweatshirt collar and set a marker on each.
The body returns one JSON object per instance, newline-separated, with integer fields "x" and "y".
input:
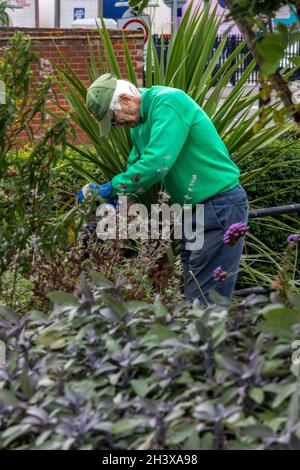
{"x": 145, "y": 104}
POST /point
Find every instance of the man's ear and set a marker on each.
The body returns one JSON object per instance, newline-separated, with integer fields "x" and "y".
{"x": 125, "y": 98}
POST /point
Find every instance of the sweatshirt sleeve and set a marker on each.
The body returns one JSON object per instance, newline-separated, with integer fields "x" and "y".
{"x": 132, "y": 157}
{"x": 168, "y": 135}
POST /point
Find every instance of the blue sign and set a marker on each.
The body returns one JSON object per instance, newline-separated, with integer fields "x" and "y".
{"x": 79, "y": 13}
{"x": 287, "y": 20}
{"x": 110, "y": 11}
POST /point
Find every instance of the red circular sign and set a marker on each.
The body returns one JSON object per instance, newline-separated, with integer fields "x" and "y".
{"x": 140, "y": 22}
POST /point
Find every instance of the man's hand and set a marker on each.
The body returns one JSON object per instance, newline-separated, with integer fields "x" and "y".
{"x": 102, "y": 190}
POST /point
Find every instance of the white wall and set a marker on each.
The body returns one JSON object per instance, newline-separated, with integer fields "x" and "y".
{"x": 67, "y": 10}
{"x": 160, "y": 17}
{"x": 46, "y": 9}
{"x": 23, "y": 17}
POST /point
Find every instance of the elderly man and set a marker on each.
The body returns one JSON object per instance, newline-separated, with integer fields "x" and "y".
{"x": 176, "y": 143}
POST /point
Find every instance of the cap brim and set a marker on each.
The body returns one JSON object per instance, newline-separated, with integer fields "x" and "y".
{"x": 105, "y": 125}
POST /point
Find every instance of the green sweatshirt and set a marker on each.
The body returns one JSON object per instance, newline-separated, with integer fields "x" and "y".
{"x": 176, "y": 144}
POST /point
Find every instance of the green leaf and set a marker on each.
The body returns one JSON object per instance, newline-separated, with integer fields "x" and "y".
{"x": 203, "y": 331}
{"x": 9, "y": 315}
{"x": 126, "y": 425}
{"x": 35, "y": 316}
{"x": 62, "y": 298}
{"x": 12, "y": 433}
{"x": 259, "y": 431}
{"x": 283, "y": 392}
{"x": 100, "y": 280}
{"x": 160, "y": 310}
{"x": 279, "y": 321}
{"x": 160, "y": 332}
{"x": 231, "y": 364}
{"x": 26, "y": 382}
{"x": 8, "y": 397}
{"x": 257, "y": 394}
{"x": 181, "y": 435}
{"x": 271, "y": 47}
{"x": 142, "y": 386}
{"x": 294, "y": 298}
{"x": 295, "y": 60}
{"x": 113, "y": 346}
{"x": 110, "y": 314}
{"x": 60, "y": 343}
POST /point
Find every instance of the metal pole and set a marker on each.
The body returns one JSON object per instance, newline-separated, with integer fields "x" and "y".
{"x": 100, "y": 8}
{"x": 57, "y": 14}
{"x": 37, "y": 14}
{"x": 174, "y": 16}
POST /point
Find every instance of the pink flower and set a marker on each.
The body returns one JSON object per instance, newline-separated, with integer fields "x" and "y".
{"x": 219, "y": 275}
{"x": 234, "y": 233}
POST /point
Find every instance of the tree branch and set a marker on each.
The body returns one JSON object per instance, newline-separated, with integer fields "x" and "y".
{"x": 277, "y": 81}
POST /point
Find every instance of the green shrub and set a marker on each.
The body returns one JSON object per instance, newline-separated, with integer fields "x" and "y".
{"x": 275, "y": 187}
{"x": 26, "y": 195}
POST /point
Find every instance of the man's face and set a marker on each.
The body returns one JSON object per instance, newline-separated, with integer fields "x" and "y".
{"x": 129, "y": 114}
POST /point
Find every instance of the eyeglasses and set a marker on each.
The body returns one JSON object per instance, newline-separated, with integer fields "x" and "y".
{"x": 113, "y": 119}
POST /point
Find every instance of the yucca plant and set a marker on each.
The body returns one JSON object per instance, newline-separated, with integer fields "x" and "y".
{"x": 190, "y": 65}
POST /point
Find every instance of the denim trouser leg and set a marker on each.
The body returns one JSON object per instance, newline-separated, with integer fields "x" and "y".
{"x": 220, "y": 212}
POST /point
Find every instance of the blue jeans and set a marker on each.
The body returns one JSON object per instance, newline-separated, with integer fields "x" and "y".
{"x": 220, "y": 212}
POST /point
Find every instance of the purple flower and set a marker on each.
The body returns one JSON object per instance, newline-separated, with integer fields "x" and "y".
{"x": 219, "y": 275}
{"x": 234, "y": 233}
{"x": 293, "y": 238}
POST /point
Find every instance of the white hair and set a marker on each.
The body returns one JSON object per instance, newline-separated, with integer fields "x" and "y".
{"x": 123, "y": 86}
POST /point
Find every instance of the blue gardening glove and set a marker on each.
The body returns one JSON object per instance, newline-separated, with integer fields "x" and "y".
{"x": 103, "y": 190}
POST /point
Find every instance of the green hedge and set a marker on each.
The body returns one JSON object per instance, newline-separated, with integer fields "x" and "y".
{"x": 271, "y": 181}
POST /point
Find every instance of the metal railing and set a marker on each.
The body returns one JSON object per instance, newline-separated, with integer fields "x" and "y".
{"x": 233, "y": 41}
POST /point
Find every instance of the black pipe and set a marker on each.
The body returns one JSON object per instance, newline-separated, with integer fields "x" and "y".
{"x": 274, "y": 211}
{"x": 254, "y": 290}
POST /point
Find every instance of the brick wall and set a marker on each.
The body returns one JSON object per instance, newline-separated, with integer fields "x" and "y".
{"x": 73, "y": 43}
